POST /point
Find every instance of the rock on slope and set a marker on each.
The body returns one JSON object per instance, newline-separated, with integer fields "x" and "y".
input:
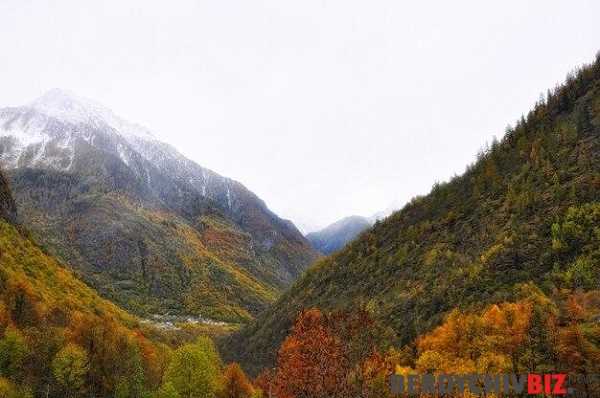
{"x": 8, "y": 208}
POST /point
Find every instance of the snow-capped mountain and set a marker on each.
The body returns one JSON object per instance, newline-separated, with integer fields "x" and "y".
{"x": 57, "y": 130}
{"x": 68, "y": 107}
{"x": 70, "y": 158}
{"x": 335, "y": 236}
{"x": 53, "y": 132}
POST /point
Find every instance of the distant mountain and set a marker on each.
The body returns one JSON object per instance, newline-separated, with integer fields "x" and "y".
{"x": 146, "y": 226}
{"x": 335, "y": 236}
{"x": 527, "y": 213}
{"x": 388, "y": 211}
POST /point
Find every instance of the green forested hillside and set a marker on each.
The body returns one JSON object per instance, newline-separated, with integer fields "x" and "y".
{"x": 59, "y": 338}
{"x": 147, "y": 259}
{"x": 528, "y": 210}
{"x": 57, "y": 335}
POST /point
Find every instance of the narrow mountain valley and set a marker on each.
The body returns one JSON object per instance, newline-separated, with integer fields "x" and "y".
{"x": 130, "y": 271}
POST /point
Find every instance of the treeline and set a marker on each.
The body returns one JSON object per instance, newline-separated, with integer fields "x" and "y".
{"x": 341, "y": 354}
{"x": 55, "y": 354}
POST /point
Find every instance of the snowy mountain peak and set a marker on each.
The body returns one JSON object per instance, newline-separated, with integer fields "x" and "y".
{"x": 54, "y": 98}
{"x": 57, "y": 97}
{"x": 68, "y": 107}
{"x": 60, "y": 130}
{"x": 47, "y": 132}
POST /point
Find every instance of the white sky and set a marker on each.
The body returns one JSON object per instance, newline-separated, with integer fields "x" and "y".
{"x": 323, "y": 108}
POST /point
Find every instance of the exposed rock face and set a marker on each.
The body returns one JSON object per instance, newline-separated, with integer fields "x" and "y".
{"x": 8, "y": 209}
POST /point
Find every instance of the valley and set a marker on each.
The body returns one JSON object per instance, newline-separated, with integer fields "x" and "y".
{"x": 130, "y": 271}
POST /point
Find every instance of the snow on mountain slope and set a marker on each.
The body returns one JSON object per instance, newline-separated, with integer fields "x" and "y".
{"x": 68, "y": 107}
{"x": 53, "y": 131}
{"x": 48, "y": 132}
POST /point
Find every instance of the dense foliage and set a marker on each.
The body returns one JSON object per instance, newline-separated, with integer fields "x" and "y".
{"x": 144, "y": 257}
{"x": 58, "y": 338}
{"x": 525, "y": 211}
{"x": 535, "y": 334}
{"x": 329, "y": 355}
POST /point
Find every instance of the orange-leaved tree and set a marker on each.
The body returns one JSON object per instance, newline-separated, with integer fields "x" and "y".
{"x": 311, "y": 361}
{"x": 235, "y": 383}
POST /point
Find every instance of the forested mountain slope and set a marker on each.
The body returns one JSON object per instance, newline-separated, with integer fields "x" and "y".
{"x": 526, "y": 211}
{"x": 147, "y": 227}
{"x": 57, "y": 334}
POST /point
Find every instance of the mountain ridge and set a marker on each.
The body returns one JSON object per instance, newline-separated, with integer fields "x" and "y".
{"x": 138, "y": 220}
{"x": 335, "y": 236}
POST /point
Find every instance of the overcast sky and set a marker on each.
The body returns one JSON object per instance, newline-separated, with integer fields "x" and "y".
{"x": 323, "y": 108}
